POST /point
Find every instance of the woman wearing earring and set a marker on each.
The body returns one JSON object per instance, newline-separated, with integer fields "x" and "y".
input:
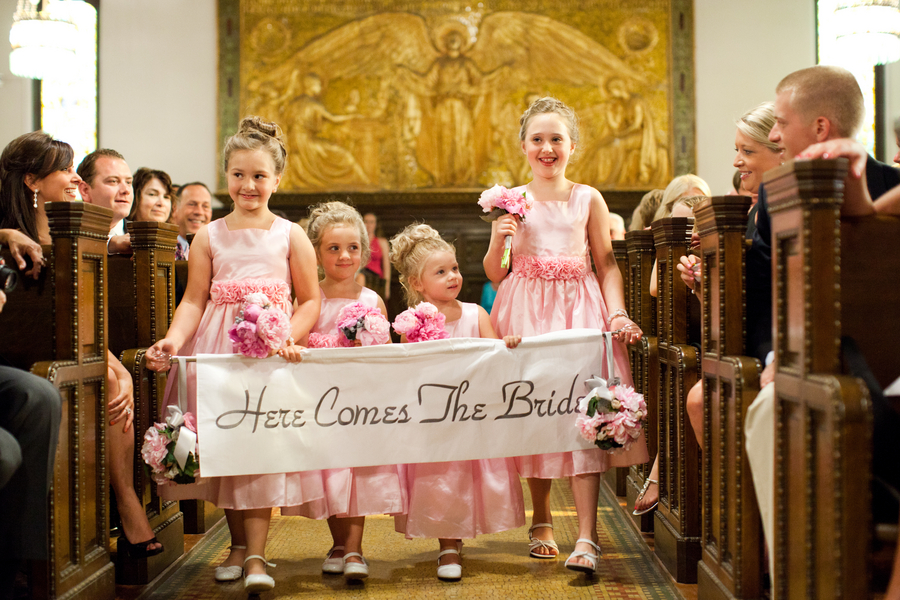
{"x": 36, "y": 169}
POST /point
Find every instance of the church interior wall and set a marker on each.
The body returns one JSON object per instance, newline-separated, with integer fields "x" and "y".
{"x": 158, "y": 79}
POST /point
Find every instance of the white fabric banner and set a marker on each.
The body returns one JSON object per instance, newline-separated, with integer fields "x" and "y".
{"x": 456, "y": 399}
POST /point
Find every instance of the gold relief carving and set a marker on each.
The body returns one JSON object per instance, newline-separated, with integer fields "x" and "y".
{"x": 379, "y": 95}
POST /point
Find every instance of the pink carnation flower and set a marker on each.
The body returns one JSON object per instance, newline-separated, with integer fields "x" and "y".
{"x": 273, "y": 327}
{"x": 154, "y": 449}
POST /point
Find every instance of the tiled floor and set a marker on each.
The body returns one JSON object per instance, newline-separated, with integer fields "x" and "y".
{"x": 494, "y": 566}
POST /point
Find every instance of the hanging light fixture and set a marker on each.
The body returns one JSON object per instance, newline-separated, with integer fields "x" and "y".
{"x": 43, "y": 43}
{"x": 868, "y": 31}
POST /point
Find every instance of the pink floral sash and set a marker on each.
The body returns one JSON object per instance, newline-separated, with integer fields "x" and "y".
{"x": 233, "y": 291}
{"x": 550, "y": 267}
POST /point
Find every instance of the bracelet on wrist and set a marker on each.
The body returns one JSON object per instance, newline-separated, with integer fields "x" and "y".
{"x": 618, "y": 313}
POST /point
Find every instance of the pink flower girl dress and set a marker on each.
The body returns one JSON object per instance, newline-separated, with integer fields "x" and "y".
{"x": 243, "y": 261}
{"x": 457, "y": 500}
{"x": 358, "y": 491}
{"x": 551, "y": 287}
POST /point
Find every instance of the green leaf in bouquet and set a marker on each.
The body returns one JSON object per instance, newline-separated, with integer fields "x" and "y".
{"x": 493, "y": 215}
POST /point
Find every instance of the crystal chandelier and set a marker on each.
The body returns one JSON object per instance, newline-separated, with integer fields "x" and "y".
{"x": 43, "y": 43}
{"x": 868, "y": 31}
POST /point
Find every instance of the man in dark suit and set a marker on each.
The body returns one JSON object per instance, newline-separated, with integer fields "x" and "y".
{"x": 812, "y": 106}
{"x": 106, "y": 181}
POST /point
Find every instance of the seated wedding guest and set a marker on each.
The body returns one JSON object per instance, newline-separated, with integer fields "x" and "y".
{"x": 30, "y": 412}
{"x": 193, "y": 210}
{"x": 646, "y": 208}
{"x": 616, "y": 227}
{"x": 153, "y": 193}
{"x": 34, "y": 169}
{"x": 35, "y": 165}
{"x": 648, "y": 498}
{"x": 106, "y": 181}
{"x": 813, "y": 105}
{"x": 680, "y": 187}
{"x": 755, "y": 154}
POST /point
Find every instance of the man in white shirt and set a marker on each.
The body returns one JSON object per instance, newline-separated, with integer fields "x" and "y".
{"x": 106, "y": 181}
{"x": 193, "y": 211}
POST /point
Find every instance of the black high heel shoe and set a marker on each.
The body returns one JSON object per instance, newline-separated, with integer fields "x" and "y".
{"x": 138, "y": 550}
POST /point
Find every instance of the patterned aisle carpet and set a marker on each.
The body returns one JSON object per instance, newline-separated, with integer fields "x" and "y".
{"x": 494, "y": 566}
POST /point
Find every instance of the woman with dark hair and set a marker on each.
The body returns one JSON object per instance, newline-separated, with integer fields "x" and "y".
{"x": 153, "y": 193}
{"x": 34, "y": 169}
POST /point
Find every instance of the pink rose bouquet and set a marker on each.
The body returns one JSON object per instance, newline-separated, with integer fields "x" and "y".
{"x": 361, "y": 325}
{"x": 422, "y": 323}
{"x": 259, "y": 327}
{"x": 499, "y": 201}
{"x": 158, "y": 450}
{"x": 611, "y": 417}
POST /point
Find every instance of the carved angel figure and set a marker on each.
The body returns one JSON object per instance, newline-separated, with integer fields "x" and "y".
{"x": 441, "y": 84}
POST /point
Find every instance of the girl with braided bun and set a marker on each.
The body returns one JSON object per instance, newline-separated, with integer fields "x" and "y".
{"x": 251, "y": 250}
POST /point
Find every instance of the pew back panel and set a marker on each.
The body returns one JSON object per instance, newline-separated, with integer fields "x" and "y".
{"x": 822, "y": 419}
{"x": 643, "y": 357}
{"x": 732, "y": 564}
{"x": 677, "y": 525}
{"x": 67, "y": 307}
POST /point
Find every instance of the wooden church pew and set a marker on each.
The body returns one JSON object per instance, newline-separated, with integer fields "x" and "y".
{"x": 615, "y": 477}
{"x": 141, "y": 305}
{"x": 822, "y": 418}
{"x": 198, "y": 516}
{"x": 677, "y": 524}
{"x": 643, "y": 357}
{"x": 56, "y": 327}
{"x": 732, "y": 541}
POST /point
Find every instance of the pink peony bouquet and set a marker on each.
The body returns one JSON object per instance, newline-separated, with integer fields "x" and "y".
{"x": 422, "y": 323}
{"x": 499, "y": 201}
{"x": 361, "y": 325}
{"x": 324, "y": 340}
{"x": 259, "y": 327}
{"x": 159, "y": 449}
{"x": 611, "y": 417}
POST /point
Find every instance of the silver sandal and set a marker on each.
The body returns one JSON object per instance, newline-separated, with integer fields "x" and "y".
{"x": 644, "y": 489}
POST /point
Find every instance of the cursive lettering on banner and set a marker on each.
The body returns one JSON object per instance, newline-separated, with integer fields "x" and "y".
{"x": 274, "y": 418}
{"x": 352, "y": 415}
{"x": 520, "y": 404}
{"x": 453, "y": 393}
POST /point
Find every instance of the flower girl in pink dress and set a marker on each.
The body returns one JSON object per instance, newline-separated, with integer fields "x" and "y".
{"x": 452, "y": 500}
{"x": 250, "y": 250}
{"x": 551, "y": 287}
{"x": 338, "y": 234}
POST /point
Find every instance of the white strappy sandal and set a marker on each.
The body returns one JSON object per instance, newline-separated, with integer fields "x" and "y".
{"x": 258, "y": 582}
{"x": 355, "y": 570}
{"x": 451, "y": 572}
{"x": 534, "y": 543}
{"x": 591, "y": 558}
